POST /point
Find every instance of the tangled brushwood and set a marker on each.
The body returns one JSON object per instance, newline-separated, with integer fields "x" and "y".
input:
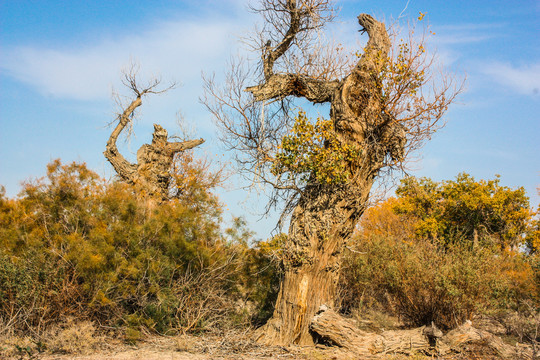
{"x": 76, "y": 246}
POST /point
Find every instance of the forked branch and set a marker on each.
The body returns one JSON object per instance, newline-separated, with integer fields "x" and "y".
{"x": 300, "y": 17}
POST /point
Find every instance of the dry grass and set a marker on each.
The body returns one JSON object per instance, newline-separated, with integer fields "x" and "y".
{"x": 82, "y": 341}
{"x": 70, "y": 337}
{"x": 73, "y": 338}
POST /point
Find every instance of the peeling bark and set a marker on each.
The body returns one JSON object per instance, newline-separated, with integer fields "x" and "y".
{"x": 154, "y": 161}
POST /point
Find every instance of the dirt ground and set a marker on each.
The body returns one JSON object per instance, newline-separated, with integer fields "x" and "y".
{"x": 224, "y": 347}
{"x": 233, "y": 346}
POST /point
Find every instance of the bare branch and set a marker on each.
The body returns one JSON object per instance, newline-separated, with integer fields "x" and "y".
{"x": 154, "y": 161}
{"x": 282, "y": 85}
{"x": 300, "y": 18}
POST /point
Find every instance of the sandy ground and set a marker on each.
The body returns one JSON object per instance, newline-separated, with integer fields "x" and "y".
{"x": 233, "y": 346}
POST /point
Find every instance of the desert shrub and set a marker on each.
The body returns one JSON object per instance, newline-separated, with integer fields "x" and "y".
{"x": 443, "y": 252}
{"x": 465, "y": 210}
{"x": 75, "y": 245}
{"x": 35, "y": 290}
{"x": 421, "y": 283}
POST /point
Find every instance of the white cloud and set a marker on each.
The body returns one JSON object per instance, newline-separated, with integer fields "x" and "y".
{"x": 523, "y": 79}
{"x": 177, "y": 50}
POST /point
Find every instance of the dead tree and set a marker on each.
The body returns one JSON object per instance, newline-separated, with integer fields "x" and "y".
{"x": 382, "y": 115}
{"x": 151, "y": 173}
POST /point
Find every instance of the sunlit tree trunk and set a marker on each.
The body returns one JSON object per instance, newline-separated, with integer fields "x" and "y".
{"x": 365, "y": 103}
{"x": 320, "y": 226}
{"x": 326, "y": 215}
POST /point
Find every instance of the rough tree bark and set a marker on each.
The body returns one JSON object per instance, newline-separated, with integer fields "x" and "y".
{"x": 154, "y": 161}
{"x": 336, "y": 330}
{"x": 325, "y": 215}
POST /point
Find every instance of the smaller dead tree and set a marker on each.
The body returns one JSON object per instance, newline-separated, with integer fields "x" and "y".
{"x": 151, "y": 173}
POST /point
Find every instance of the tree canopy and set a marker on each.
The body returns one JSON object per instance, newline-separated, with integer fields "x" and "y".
{"x": 466, "y": 210}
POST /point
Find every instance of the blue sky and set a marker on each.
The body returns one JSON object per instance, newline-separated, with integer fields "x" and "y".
{"x": 61, "y": 60}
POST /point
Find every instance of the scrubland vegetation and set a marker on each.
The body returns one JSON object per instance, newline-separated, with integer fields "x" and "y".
{"x": 76, "y": 249}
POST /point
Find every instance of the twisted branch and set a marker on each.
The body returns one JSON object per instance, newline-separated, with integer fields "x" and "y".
{"x": 154, "y": 160}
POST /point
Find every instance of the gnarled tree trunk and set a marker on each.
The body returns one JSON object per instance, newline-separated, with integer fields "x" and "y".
{"x": 326, "y": 215}
{"x": 324, "y": 218}
{"x": 379, "y": 112}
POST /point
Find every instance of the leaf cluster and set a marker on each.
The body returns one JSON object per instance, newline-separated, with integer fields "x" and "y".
{"x": 312, "y": 151}
{"x": 466, "y": 209}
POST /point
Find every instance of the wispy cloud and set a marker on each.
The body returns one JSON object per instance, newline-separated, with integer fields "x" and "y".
{"x": 178, "y": 50}
{"x": 461, "y": 39}
{"x": 452, "y": 41}
{"x": 524, "y": 79}
{"x": 464, "y": 34}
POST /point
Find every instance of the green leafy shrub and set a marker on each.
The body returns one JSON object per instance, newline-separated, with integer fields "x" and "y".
{"x": 314, "y": 150}
{"x": 75, "y": 245}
